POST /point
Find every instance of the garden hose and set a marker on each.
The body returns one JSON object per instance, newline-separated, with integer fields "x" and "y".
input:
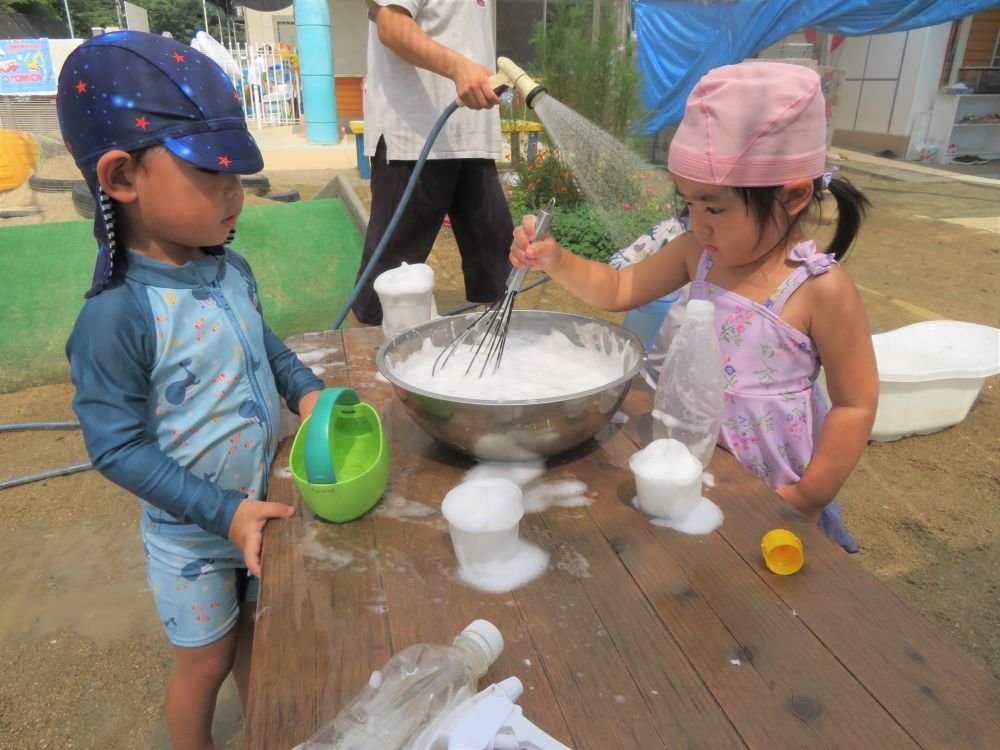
{"x": 39, "y": 426}
{"x": 397, "y": 214}
{"x": 27, "y": 479}
{"x": 509, "y": 76}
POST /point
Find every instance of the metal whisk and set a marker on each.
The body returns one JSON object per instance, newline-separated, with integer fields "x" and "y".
{"x": 493, "y": 322}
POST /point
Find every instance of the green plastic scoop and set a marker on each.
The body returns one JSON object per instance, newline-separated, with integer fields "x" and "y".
{"x": 340, "y": 456}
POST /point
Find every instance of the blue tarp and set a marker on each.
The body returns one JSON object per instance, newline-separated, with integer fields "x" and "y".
{"x": 680, "y": 40}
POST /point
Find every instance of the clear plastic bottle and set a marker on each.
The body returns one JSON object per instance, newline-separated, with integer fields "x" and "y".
{"x": 413, "y": 689}
{"x": 688, "y": 402}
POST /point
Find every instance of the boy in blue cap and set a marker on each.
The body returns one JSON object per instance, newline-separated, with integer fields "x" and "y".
{"x": 177, "y": 375}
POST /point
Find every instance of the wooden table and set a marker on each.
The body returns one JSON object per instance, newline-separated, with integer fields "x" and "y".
{"x": 636, "y": 637}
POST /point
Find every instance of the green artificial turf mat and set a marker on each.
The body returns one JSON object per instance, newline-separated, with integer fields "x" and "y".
{"x": 305, "y": 257}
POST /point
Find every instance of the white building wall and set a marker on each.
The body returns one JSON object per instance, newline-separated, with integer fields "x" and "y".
{"x": 890, "y": 79}
{"x": 260, "y": 28}
{"x": 349, "y": 28}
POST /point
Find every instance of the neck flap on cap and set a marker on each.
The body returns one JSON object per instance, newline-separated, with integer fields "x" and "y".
{"x": 105, "y": 232}
{"x": 130, "y": 90}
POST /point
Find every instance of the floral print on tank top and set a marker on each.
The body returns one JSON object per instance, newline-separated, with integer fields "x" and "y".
{"x": 773, "y": 409}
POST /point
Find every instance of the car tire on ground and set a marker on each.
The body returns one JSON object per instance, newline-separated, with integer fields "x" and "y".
{"x": 285, "y": 196}
{"x": 83, "y": 201}
{"x": 52, "y": 185}
{"x": 256, "y": 183}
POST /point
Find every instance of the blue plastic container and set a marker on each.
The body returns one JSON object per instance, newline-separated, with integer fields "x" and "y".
{"x": 647, "y": 320}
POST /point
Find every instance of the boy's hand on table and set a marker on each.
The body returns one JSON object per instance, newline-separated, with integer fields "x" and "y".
{"x": 246, "y": 531}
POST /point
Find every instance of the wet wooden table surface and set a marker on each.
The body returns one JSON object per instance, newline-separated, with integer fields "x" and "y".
{"x": 636, "y": 637}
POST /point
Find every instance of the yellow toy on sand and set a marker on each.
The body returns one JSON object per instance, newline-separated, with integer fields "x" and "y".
{"x": 18, "y": 156}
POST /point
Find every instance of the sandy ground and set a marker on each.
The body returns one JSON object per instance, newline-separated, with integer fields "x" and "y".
{"x": 85, "y": 658}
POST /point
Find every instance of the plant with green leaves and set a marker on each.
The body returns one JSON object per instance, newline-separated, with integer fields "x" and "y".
{"x": 182, "y": 18}
{"x": 544, "y": 177}
{"x": 591, "y": 73}
{"x": 589, "y": 231}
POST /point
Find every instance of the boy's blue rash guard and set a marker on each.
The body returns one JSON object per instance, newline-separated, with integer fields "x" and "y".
{"x": 171, "y": 394}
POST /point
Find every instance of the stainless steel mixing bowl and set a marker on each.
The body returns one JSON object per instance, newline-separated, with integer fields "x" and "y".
{"x": 516, "y": 430}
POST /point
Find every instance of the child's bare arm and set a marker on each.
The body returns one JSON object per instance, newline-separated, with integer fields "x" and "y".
{"x": 599, "y": 284}
{"x": 839, "y": 327}
{"x": 307, "y": 402}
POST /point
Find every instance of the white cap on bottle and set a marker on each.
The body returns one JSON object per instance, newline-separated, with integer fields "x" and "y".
{"x": 700, "y": 309}
{"x": 488, "y": 637}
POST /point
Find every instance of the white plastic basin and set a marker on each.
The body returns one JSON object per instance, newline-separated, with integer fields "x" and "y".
{"x": 930, "y": 374}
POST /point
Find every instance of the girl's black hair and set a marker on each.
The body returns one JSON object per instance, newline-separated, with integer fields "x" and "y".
{"x": 852, "y": 206}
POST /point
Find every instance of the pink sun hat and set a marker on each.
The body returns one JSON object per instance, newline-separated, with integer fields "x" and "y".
{"x": 754, "y": 124}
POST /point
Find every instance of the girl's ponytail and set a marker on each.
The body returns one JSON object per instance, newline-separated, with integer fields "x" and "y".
{"x": 851, "y": 208}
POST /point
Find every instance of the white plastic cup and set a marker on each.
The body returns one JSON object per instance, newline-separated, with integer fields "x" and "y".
{"x": 407, "y": 297}
{"x": 667, "y": 479}
{"x": 483, "y": 517}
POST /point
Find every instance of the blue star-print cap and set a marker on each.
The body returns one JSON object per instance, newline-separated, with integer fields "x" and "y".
{"x": 130, "y": 90}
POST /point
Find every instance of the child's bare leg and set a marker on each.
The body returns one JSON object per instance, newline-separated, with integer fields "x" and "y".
{"x": 244, "y": 647}
{"x": 193, "y": 688}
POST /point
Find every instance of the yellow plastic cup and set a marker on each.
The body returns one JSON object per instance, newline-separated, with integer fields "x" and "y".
{"x": 782, "y": 551}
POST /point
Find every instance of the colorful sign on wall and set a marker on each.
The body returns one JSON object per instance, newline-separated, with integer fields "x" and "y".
{"x": 26, "y": 67}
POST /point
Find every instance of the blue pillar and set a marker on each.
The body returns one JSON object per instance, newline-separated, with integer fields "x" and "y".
{"x": 319, "y": 93}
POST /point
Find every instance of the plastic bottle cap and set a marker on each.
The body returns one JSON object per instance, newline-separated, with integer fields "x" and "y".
{"x": 486, "y": 634}
{"x": 701, "y": 309}
{"x": 782, "y": 551}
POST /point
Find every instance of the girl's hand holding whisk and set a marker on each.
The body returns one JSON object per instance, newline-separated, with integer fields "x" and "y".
{"x": 546, "y": 254}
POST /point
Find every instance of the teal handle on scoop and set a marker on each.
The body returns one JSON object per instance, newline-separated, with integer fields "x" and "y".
{"x": 318, "y": 454}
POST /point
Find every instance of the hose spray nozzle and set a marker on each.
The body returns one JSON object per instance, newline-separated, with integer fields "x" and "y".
{"x": 520, "y": 80}
{"x": 512, "y": 76}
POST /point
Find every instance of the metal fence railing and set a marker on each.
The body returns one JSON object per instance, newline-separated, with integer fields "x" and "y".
{"x": 269, "y": 84}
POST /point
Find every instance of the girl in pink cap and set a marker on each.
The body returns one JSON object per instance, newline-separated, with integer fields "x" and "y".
{"x": 748, "y": 160}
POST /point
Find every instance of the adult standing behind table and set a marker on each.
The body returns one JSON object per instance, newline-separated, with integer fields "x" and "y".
{"x": 421, "y": 55}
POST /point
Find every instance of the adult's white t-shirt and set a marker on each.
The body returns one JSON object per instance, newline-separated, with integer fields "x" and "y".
{"x": 403, "y": 101}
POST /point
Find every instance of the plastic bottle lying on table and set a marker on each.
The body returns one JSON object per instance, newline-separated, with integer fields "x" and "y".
{"x": 424, "y": 699}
